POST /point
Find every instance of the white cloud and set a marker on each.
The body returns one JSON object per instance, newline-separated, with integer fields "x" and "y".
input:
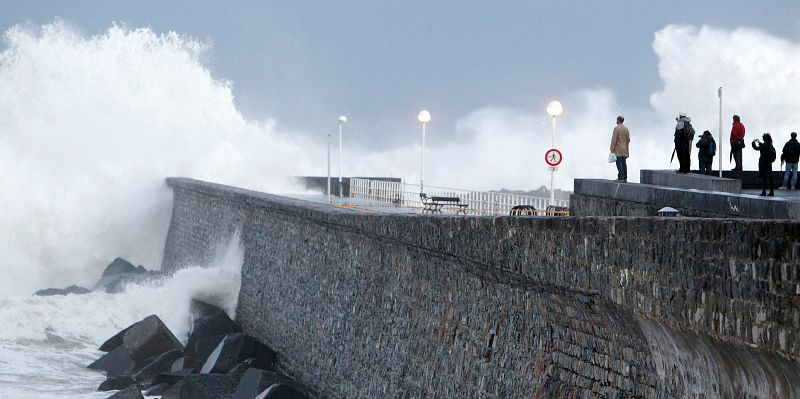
{"x": 760, "y": 74}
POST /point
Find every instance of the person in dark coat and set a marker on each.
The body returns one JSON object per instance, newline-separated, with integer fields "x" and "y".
{"x": 765, "y": 160}
{"x": 790, "y": 155}
{"x": 706, "y": 144}
{"x": 684, "y": 134}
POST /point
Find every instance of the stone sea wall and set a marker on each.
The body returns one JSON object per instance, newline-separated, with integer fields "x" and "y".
{"x": 369, "y": 305}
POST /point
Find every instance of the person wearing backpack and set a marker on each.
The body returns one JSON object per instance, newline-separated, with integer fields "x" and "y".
{"x": 765, "y": 160}
{"x": 790, "y": 155}
{"x": 684, "y": 134}
{"x": 705, "y": 154}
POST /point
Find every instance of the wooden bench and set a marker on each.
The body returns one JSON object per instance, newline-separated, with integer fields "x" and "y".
{"x": 434, "y": 204}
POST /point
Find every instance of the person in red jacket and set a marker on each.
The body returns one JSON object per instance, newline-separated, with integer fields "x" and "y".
{"x": 737, "y": 143}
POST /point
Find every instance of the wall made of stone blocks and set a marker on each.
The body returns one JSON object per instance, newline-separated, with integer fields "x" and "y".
{"x": 366, "y": 305}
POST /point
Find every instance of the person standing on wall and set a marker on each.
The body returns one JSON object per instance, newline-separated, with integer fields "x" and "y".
{"x": 707, "y": 149}
{"x": 737, "y": 143}
{"x": 619, "y": 147}
{"x": 684, "y": 134}
{"x": 790, "y": 155}
{"x": 765, "y": 160}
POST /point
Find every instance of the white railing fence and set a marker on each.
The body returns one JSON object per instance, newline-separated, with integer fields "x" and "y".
{"x": 480, "y": 202}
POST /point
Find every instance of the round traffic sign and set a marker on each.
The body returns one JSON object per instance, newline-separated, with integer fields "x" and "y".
{"x": 553, "y": 157}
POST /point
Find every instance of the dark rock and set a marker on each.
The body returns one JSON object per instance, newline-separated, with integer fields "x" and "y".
{"x": 208, "y": 321}
{"x": 156, "y": 390}
{"x": 236, "y": 348}
{"x": 255, "y": 381}
{"x": 202, "y": 348}
{"x": 116, "y": 363}
{"x": 281, "y": 391}
{"x": 115, "y": 341}
{"x": 172, "y": 377}
{"x": 77, "y": 290}
{"x": 50, "y": 292}
{"x": 173, "y": 392}
{"x": 72, "y": 289}
{"x": 120, "y": 273}
{"x": 161, "y": 364}
{"x": 185, "y": 362}
{"x": 116, "y": 283}
{"x": 242, "y": 367}
{"x": 114, "y": 383}
{"x": 208, "y": 386}
{"x": 200, "y": 309}
{"x": 118, "y": 266}
{"x": 149, "y": 338}
{"x": 132, "y": 392}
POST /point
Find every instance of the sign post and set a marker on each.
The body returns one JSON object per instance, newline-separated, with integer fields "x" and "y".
{"x": 553, "y": 158}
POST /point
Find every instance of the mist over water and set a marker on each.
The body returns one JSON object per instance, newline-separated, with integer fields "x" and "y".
{"x": 89, "y": 128}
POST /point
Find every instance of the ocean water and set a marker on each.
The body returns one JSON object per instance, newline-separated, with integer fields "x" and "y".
{"x": 46, "y": 342}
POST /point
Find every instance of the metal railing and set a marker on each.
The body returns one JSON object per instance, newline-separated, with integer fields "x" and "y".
{"x": 406, "y": 195}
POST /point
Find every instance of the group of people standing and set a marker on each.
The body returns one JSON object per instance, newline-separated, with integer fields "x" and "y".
{"x": 707, "y": 148}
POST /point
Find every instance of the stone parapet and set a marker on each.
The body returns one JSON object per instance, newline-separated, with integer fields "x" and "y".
{"x": 595, "y": 197}
{"x": 670, "y": 178}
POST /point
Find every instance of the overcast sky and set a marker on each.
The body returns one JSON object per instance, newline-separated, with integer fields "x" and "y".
{"x": 305, "y": 62}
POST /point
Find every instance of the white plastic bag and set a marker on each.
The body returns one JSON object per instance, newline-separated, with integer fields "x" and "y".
{"x": 611, "y": 157}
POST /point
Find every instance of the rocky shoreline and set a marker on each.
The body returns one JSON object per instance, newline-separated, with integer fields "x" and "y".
{"x": 218, "y": 360}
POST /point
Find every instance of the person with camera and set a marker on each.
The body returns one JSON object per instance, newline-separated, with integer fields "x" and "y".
{"x": 684, "y": 134}
{"x": 705, "y": 154}
{"x": 737, "y": 143}
{"x": 765, "y": 160}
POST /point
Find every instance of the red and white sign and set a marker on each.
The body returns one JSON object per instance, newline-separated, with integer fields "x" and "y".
{"x": 553, "y": 157}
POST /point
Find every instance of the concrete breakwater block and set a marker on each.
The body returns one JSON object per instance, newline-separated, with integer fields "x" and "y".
{"x": 236, "y": 348}
{"x": 670, "y": 178}
{"x": 149, "y": 338}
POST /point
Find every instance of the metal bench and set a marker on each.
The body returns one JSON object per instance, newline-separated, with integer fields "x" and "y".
{"x": 522, "y": 210}
{"x": 553, "y": 210}
{"x": 434, "y": 204}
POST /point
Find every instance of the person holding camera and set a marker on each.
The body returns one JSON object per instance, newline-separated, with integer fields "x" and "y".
{"x": 684, "y": 134}
{"x": 705, "y": 154}
{"x": 765, "y": 160}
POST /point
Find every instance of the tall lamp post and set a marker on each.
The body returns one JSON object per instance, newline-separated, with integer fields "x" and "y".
{"x": 719, "y": 150}
{"x": 342, "y": 121}
{"x": 424, "y": 117}
{"x": 554, "y": 109}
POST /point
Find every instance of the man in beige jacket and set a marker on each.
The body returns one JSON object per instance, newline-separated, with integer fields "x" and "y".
{"x": 619, "y": 146}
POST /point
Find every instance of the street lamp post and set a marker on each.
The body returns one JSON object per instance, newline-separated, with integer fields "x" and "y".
{"x": 719, "y": 149}
{"x": 329, "y": 169}
{"x": 554, "y": 109}
{"x": 424, "y": 117}
{"x": 342, "y": 121}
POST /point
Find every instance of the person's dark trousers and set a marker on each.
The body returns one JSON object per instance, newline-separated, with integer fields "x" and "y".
{"x": 682, "y": 151}
{"x": 767, "y": 182}
{"x": 622, "y": 168}
{"x": 705, "y": 167}
{"x": 737, "y": 157}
